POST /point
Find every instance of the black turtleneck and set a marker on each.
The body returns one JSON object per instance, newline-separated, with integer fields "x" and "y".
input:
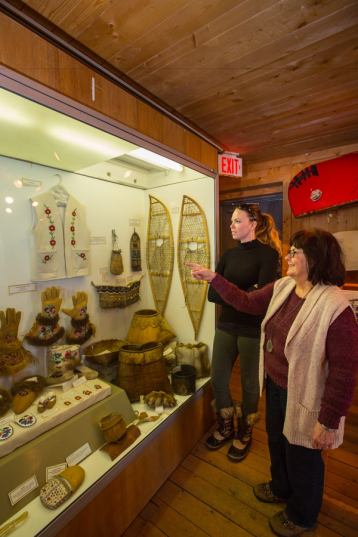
{"x": 249, "y": 265}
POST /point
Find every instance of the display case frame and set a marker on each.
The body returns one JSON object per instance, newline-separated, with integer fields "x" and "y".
{"x": 176, "y": 421}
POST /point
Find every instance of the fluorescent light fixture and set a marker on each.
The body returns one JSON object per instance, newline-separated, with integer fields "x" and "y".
{"x": 157, "y": 160}
{"x": 9, "y": 114}
{"x": 87, "y": 142}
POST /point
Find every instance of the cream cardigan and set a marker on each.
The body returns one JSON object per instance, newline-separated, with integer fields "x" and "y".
{"x": 305, "y": 353}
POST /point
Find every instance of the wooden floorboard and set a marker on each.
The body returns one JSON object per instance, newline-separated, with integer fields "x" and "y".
{"x": 207, "y": 495}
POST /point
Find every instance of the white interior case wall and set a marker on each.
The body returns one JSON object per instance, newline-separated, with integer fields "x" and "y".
{"x": 108, "y": 206}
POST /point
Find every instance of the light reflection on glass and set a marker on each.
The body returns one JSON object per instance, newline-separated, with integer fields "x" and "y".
{"x": 8, "y": 210}
{"x": 9, "y": 200}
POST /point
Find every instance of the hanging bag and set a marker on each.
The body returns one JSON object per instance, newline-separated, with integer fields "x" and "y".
{"x": 116, "y": 264}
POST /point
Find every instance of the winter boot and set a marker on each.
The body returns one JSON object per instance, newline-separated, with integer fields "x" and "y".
{"x": 243, "y": 434}
{"x": 224, "y": 430}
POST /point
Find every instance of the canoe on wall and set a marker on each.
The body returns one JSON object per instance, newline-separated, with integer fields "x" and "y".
{"x": 325, "y": 185}
{"x": 193, "y": 247}
{"x": 160, "y": 252}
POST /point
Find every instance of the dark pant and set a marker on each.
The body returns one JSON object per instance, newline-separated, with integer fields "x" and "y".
{"x": 225, "y": 350}
{"x": 297, "y": 472}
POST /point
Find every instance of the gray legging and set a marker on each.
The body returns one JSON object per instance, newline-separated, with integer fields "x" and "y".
{"x": 226, "y": 347}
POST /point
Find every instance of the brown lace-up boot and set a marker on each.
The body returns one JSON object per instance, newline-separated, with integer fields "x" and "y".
{"x": 224, "y": 430}
{"x": 243, "y": 434}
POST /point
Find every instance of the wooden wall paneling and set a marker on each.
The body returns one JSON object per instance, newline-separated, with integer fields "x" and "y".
{"x": 208, "y": 155}
{"x": 150, "y": 122}
{"x": 264, "y": 175}
{"x": 23, "y": 51}
{"x": 172, "y": 131}
{"x": 246, "y": 192}
{"x": 192, "y": 145}
{"x": 113, "y": 509}
{"x": 114, "y": 102}
{"x": 73, "y": 78}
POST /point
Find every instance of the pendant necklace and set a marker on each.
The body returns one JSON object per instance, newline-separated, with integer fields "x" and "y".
{"x": 269, "y": 344}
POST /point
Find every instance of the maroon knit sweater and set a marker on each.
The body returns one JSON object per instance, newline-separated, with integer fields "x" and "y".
{"x": 341, "y": 345}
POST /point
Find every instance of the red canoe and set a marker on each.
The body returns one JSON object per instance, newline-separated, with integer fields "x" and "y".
{"x": 325, "y": 185}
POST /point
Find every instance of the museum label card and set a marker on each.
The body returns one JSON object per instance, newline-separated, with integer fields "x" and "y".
{"x": 78, "y": 455}
{"x": 22, "y": 490}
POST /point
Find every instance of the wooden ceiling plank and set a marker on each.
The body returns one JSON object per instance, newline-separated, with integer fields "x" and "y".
{"x": 246, "y": 52}
{"x": 166, "y": 34}
{"x": 336, "y": 45}
{"x": 301, "y": 117}
{"x": 299, "y": 137}
{"x": 263, "y": 101}
{"x": 267, "y": 105}
{"x": 268, "y": 77}
{"x": 120, "y": 32}
{"x": 286, "y": 107}
{"x": 268, "y": 151}
{"x": 72, "y": 16}
{"x": 309, "y": 124}
{"x": 205, "y": 35}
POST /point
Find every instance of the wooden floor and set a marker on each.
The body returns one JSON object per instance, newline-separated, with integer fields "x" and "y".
{"x": 207, "y": 495}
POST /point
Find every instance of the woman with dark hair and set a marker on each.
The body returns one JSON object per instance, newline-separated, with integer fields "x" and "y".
{"x": 251, "y": 264}
{"x": 309, "y": 354}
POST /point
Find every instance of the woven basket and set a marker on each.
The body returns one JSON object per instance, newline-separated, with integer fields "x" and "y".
{"x": 116, "y": 263}
{"x": 141, "y": 370}
{"x": 117, "y": 296}
{"x": 148, "y": 326}
{"x": 113, "y": 427}
{"x": 103, "y": 352}
{"x": 141, "y": 354}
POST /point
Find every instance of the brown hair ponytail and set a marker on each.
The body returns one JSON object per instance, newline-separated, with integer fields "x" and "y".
{"x": 266, "y": 232}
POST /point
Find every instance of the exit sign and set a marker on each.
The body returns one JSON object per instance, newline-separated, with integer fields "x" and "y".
{"x": 230, "y": 164}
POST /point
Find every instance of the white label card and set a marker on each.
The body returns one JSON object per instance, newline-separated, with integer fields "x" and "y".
{"x": 79, "y": 381}
{"x": 98, "y": 240}
{"x": 51, "y": 471}
{"x": 21, "y": 288}
{"x": 78, "y": 455}
{"x": 22, "y": 490}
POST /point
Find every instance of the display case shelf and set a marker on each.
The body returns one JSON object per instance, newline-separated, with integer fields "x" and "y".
{"x": 145, "y": 465}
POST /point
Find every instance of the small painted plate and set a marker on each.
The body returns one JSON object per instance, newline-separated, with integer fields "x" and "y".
{"x": 5, "y": 432}
{"x": 27, "y": 420}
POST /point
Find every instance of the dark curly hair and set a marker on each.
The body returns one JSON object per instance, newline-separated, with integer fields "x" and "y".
{"x": 324, "y": 256}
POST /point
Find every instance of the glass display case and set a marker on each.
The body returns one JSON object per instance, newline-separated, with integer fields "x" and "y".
{"x": 65, "y": 185}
